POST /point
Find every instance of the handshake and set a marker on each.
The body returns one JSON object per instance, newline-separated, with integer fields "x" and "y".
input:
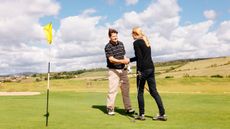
{"x": 126, "y": 61}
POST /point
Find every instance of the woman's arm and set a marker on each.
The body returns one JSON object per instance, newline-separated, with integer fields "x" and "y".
{"x": 133, "y": 59}
{"x": 138, "y": 54}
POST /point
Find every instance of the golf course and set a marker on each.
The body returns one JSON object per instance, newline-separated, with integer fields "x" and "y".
{"x": 196, "y": 95}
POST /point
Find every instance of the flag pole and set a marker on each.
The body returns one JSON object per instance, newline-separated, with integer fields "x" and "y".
{"x": 48, "y": 32}
{"x": 47, "y": 95}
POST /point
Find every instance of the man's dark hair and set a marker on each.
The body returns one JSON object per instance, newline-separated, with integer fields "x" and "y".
{"x": 112, "y": 31}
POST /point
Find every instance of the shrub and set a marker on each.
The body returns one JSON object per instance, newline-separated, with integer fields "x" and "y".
{"x": 7, "y": 80}
{"x": 170, "y": 69}
{"x": 169, "y": 76}
{"x": 186, "y": 75}
{"x": 37, "y": 79}
{"x": 217, "y": 76}
{"x": 157, "y": 73}
{"x": 213, "y": 65}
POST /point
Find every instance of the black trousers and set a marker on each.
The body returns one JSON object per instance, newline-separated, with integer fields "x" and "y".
{"x": 149, "y": 76}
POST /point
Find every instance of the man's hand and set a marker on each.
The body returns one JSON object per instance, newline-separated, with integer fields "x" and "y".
{"x": 119, "y": 61}
{"x": 126, "y": 60}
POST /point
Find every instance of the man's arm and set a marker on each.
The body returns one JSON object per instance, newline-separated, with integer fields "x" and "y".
{"x": 118, "y": 61}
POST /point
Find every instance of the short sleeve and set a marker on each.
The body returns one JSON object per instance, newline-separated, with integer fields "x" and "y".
{"x": 108, "y": 51}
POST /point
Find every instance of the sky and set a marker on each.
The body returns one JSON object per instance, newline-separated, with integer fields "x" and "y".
{"x": 177, "y": 29}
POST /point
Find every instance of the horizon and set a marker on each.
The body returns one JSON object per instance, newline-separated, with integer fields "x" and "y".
{"x": 131, "y": 64}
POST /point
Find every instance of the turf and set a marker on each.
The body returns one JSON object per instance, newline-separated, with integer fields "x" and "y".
{"x": 74, "y": 110}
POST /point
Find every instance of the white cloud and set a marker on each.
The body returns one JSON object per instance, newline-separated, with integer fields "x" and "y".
{"x": 78, "y": 63}
{"x": 210, "y": 14}
{"x": 131, "y": 2}
{"x": 161, "y": 16}
{"x": 24, "y": 58}
{"x": 80, "y": 42}
{"x": 20, "y": 33}
{"x": 223, "y": 31}
{"x": 79, "y": 28}
{"x": 19, "y": 20}
{"x": 191, "y": 41}
{"x": 160, "y": 21}
{"x": 192, "y": 33}
{"x": 82, "y": 34}
{"x": 35, "y": 8}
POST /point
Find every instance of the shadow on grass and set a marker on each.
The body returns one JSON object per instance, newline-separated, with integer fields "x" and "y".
{"x": 122, "y": 112}
{"x": 118, "y": 110}
{"x": 104, "y": 110}
{"x": 101, "y": 108}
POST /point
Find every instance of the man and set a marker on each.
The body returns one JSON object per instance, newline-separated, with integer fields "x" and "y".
{"x": 115, "y": 55}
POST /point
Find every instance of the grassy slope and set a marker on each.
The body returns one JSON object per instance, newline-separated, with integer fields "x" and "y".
{"x": 206, "y": 67}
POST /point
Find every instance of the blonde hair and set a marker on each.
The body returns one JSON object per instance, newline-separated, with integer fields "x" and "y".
{"x": 138, "y": 33}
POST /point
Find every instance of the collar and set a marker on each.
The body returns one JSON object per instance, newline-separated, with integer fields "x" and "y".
{"x": 114, "y": 43}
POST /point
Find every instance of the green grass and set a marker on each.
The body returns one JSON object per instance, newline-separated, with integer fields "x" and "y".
{"x": 79, "y": 103}
{"x": 74, "y": 110}
{"x": 191, "y": 103}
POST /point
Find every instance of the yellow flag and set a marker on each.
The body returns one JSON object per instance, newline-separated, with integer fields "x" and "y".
{"x": 48, "y": 32}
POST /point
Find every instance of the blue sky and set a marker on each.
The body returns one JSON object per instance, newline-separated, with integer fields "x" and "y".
{"x": 177, "y": 29}
{"x": 111, "y": 10}
{"x": 192, "y": 10}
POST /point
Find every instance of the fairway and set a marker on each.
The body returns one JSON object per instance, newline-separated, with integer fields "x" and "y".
{"x": 73, "y": 110}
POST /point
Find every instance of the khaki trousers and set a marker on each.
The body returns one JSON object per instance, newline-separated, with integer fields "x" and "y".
{"x": 118, "y": 77}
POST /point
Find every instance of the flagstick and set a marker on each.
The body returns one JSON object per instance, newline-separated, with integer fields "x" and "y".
{"x": 48, "y": 32}
{"x": 48, "y": 88}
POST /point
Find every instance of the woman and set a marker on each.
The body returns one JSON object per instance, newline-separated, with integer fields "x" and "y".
{"x": 145, "y": 72}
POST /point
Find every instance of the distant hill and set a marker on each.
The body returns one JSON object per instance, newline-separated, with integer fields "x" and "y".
{"x": 203, "y": 67}
{"x": 219, "y": 66}
{"x": 177, "y": 68}
{"x": 178, "y": 62}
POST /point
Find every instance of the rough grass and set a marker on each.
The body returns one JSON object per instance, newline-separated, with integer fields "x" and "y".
{"x": 187, "y": 85}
